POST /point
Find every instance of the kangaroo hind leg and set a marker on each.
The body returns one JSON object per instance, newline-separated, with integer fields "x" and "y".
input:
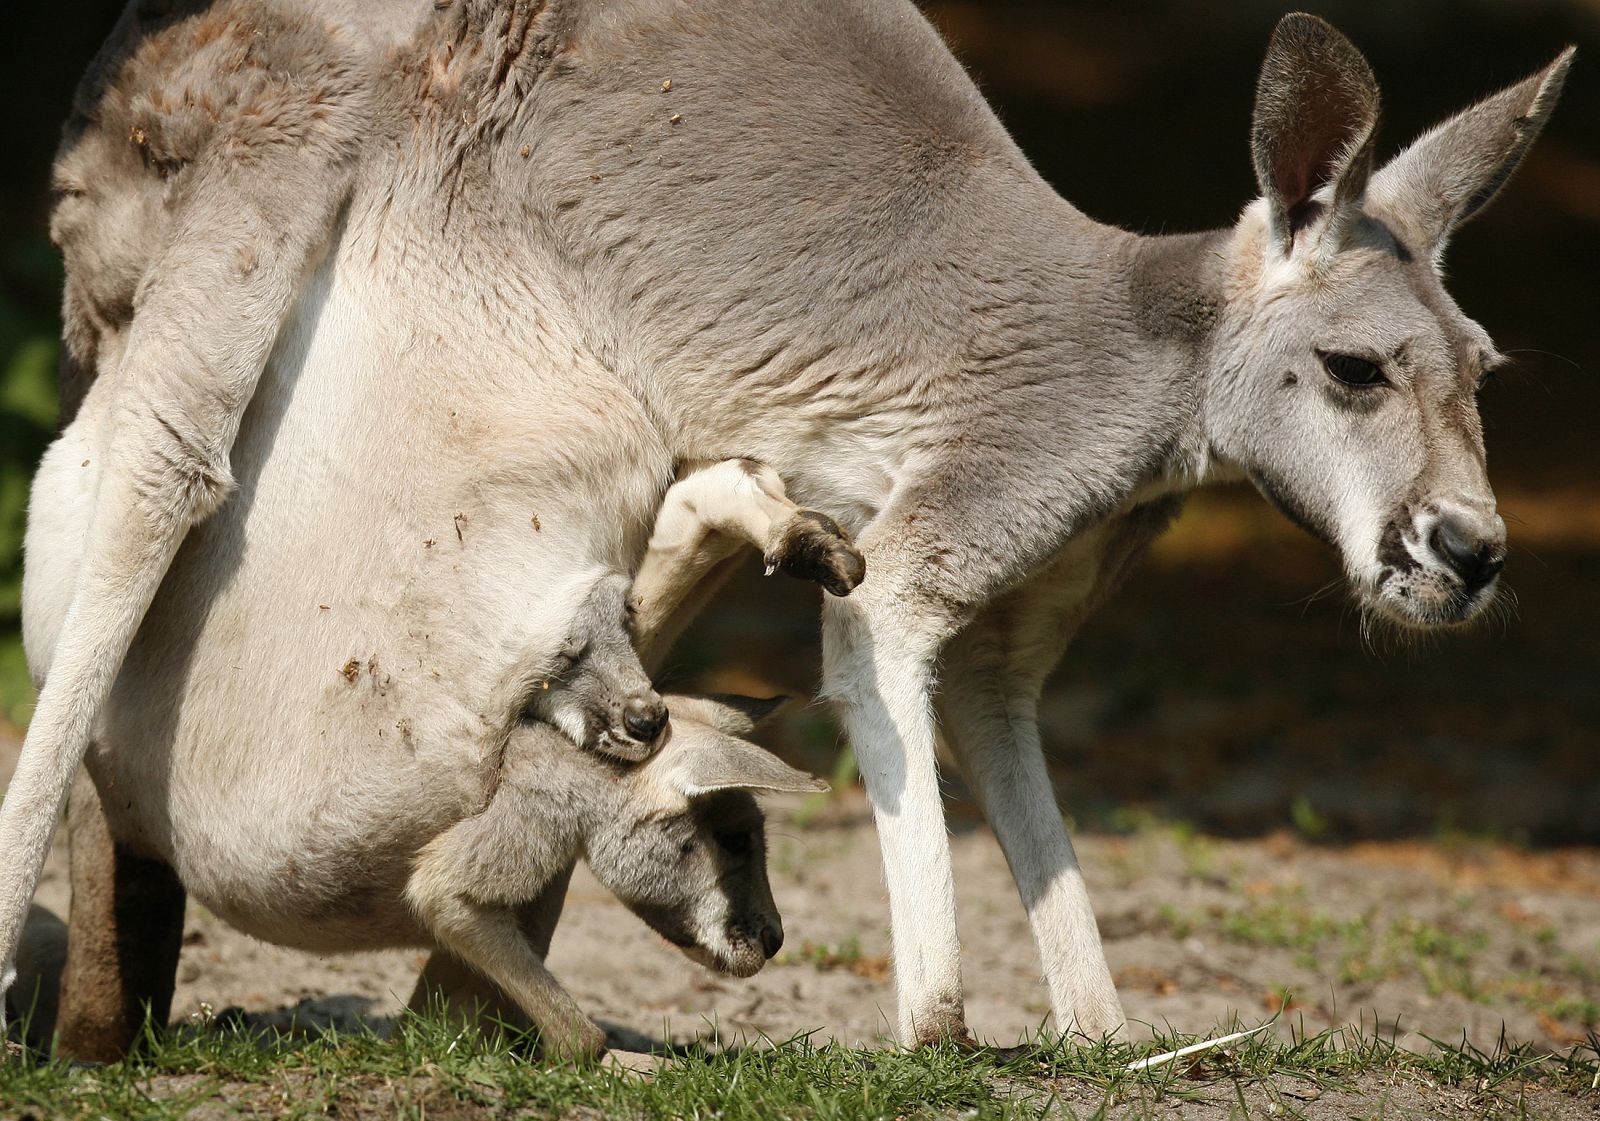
{"x": 262, "y": 187}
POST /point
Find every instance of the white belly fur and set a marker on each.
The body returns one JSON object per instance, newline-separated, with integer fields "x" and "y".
{"x": 318, "y": 688}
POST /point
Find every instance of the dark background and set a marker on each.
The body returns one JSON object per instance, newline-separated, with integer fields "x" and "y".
{"x": 1216, "y": 689}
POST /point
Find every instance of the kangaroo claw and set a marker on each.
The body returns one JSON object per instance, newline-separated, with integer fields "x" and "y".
{"x": 813, "y": 547}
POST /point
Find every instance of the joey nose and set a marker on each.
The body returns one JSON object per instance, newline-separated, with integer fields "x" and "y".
{"x": 771, "y": 940}
{"x": 644, "y": 716}
{"x": 1476, "y": 560}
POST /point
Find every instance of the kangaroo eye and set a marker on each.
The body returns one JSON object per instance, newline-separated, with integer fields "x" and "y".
{"x": 1350, "y": 370}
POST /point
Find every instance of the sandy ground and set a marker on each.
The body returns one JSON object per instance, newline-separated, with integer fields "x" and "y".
{"x": 1416, "y": 939}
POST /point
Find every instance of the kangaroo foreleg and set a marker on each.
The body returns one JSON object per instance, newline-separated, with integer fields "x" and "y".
{"x": 489, "y": 937}
{"x": 454, "y": 989}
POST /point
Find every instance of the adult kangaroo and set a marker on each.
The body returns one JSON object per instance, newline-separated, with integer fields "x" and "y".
{"x": 795, "y": 232}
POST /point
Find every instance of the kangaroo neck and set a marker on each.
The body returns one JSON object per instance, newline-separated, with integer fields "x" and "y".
{"x": 1177, "y": 288}
{"x": 1105, "y": 340}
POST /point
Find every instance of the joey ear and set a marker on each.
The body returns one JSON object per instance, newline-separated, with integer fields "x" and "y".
{"x": 723, "y": 762}
{"x": 1316, "y": 116}
{"x": 1454, "y": 170}
{"x": 726, "y": 712}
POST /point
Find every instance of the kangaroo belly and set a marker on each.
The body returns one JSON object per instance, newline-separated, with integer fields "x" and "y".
{"x": 321, "y": 685}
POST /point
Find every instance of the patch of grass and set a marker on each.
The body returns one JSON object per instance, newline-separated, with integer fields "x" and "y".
{"x": 1443, "y": 958}
{"x": 841, "y": 778}
{"x": 1579, "y": 1008}
{"x": 1151, "y": 832}
{"x": 1584, "y": 968}
{"x": 1307, "y": 820}
{"x": 1362, "y": 948}
{"x": 1553, "y": 998}
{"x": 823, "y": 956}
{"x": 1179, "y": 924}
{"x": 28, "y": 349}
{"x": 430, "y": 1069}
{"x": 1287, "y": 923}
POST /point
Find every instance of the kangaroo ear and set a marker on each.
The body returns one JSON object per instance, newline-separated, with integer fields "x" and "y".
{"x": 726, "y": 712}
{"x": 722, "y": 762}
{"x": 1315, "y": 119}
{"x": 1453, "y": 171}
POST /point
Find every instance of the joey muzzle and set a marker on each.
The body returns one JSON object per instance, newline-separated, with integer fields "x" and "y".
{"x": 644, "y": 717}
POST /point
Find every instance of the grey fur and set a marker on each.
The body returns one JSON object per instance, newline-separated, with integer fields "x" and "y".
{"x": 678, "y": 839}
{"x": 818, "y": 248}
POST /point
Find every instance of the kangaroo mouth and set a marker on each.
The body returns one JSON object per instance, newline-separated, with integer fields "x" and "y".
{"x": 731, "y": 956}
{"x": 1424, "y": 598}
{"x": 733, "y": 961}
{"x": 624, "y": 747}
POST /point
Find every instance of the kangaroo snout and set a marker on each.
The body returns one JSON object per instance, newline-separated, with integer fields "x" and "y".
{"x": 1440, "y": 564}
{"x": 1471, "y": 553}
{"x": 771, "y": 940}
{"x": 644, "y": 716}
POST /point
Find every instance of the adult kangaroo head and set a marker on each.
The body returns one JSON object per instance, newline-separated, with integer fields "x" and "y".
{"x": 1344, "y": 378}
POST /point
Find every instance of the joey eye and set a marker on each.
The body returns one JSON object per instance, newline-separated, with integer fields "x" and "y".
{"x": 1353, "y": 371}
{"x": 734, "y": 844}
{"x": 1486, "y": 377}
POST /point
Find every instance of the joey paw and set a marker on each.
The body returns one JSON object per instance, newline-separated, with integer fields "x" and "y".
{"x": 573, "y": 1043}
{"x": 813, "y": 547}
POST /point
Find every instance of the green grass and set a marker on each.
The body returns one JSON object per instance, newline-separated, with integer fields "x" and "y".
{"x": 1363, "y": 947}
{"x": 430, "y": 1070}
{"x": 1366, "y": 948}
{"x": 822, "y": 956}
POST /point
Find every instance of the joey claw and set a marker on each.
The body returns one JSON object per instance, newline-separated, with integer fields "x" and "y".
{"x": 813, "y": 547}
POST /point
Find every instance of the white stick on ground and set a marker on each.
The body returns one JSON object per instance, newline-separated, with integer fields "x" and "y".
{"x": 1193, "y": 1048}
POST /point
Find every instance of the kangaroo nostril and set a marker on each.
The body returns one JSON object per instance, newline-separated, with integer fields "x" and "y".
{"x": 644, "y": 717}
{"x": 771, "y": 941}
{"x": 1476, "y": 562}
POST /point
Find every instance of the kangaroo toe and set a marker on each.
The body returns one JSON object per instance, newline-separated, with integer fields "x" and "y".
{"x": 575, "y": 1043}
